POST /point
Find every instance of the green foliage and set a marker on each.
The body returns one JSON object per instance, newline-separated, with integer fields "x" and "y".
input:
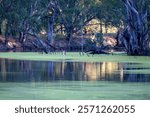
{"x": 33, "y": 15}
{"x": 75, "y": 14}
{"x": 20, "y": 14}
{"x": 110, "y": 12}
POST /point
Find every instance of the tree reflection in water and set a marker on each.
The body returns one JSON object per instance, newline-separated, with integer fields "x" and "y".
{"x": 39, "y": 71}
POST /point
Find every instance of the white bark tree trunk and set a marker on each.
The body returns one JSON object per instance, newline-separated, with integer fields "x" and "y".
{"x": 136, "y": 32}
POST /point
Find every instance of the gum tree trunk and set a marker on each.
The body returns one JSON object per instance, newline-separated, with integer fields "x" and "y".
{"x": 69, "y": 37}
{"x": 136, "y": 32}
{"x": 50, "y": 29}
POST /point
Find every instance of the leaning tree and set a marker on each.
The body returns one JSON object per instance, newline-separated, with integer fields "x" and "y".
{"x": 135, "y": 36}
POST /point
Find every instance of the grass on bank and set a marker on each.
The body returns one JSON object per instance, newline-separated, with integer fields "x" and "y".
{"x": 75, "y": 56}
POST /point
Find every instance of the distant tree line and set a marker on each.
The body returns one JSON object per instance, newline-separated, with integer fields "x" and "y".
{"x": 19, "y": 18}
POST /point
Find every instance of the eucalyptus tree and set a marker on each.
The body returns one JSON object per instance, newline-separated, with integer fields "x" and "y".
{"x": 136, "y": 38}
{"x": 47, "y": 13}
{"x": 74, "y": 14}
{"x": 30, "y": 18}
{"x": 20, "y": 16}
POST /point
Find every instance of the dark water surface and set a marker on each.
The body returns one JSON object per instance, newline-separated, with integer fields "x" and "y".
{"x": 72, "y": 80}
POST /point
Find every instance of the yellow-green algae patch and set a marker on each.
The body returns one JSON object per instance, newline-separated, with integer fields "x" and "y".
{"x": 75, "y": 56}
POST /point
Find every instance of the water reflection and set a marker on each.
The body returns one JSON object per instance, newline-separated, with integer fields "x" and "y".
{"x": 36, "y": 71}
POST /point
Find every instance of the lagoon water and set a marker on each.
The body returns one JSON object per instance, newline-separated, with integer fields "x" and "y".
{"x": 73, "y": 80}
